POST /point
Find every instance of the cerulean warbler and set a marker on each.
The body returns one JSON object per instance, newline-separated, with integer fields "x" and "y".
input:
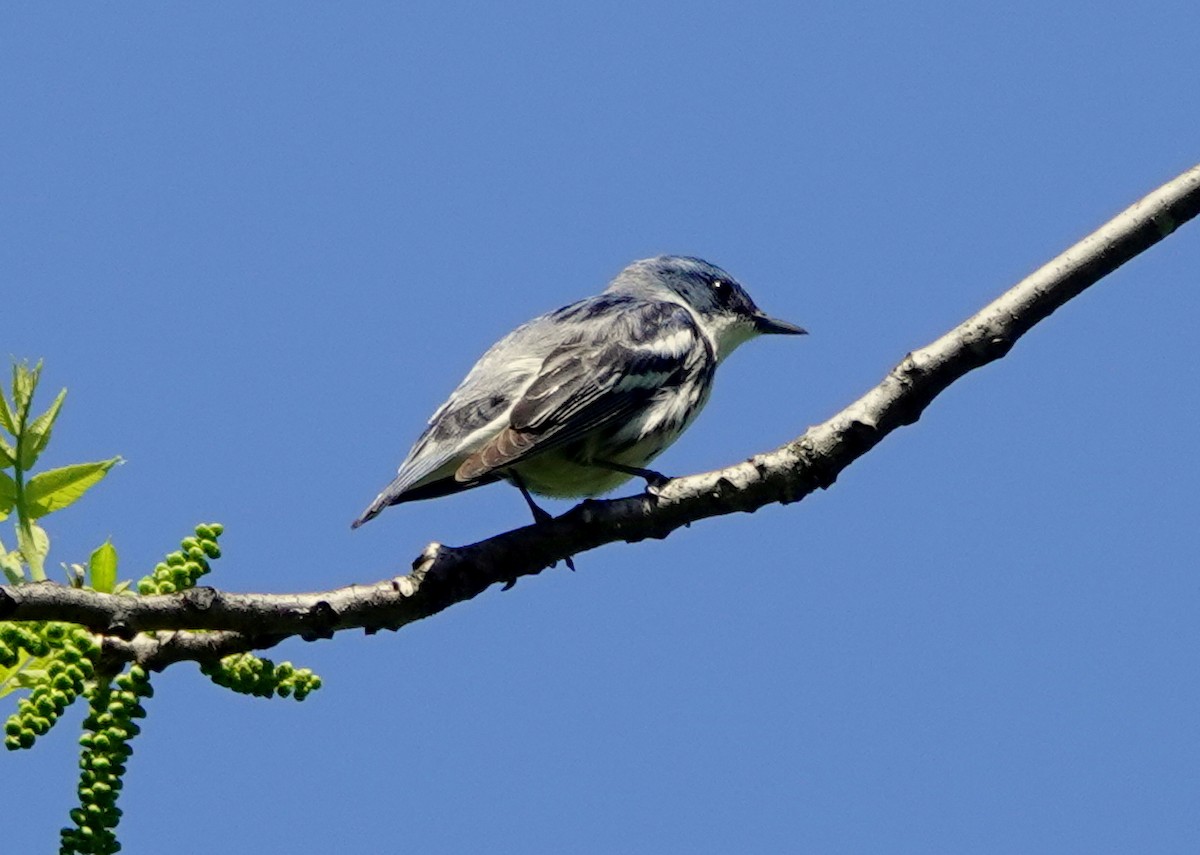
{"x": 578, "y": 401}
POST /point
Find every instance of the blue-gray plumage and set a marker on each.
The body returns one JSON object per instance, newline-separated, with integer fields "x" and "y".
{"x": 578, "y": 401}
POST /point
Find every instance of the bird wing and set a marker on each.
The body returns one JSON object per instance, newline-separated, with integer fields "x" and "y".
{"x": 604, "y": 375}
{"x": 471, "y": 416}
{"x": 547, "y": 382}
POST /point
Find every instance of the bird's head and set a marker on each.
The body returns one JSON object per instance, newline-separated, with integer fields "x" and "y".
{"x": 721, "y": 306}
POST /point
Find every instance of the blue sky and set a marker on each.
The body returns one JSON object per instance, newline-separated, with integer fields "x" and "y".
{"x": 259, "y": 243}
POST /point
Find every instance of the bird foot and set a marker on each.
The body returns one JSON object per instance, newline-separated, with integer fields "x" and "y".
{"x": 569, "y": 560}
{"x": 540, "y": 517}
{"x": 655, "y": 482}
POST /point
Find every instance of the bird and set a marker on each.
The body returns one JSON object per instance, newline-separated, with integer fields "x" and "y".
{"x": 576, "y": 402}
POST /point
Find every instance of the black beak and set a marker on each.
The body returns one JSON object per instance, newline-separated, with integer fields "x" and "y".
{"x": 769, "y": 326}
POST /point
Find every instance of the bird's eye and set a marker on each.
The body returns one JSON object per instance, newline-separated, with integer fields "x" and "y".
{"x": 725, "y": 292}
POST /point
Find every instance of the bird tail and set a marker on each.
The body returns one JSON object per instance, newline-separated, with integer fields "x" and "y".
{"x": 398, "y": 491}
{"x": 392, "y": 494}
{"x": 373, "y": 509}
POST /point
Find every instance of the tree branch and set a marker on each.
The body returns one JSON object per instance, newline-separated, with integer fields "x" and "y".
{"x": 159, "y": 630}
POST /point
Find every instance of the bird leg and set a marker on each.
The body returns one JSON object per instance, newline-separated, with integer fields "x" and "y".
{"x": 540, "y": 517}
{"x": 654, "y": 480}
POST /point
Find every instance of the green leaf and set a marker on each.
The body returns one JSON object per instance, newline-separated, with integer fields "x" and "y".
{"x": 25, "y": 380}
{"x": 34, "y": 544}
{"x": 37, "y": 435}
{"x": 10, "y": 563}
{"x": 8, "y": 454}
{"x": 8, "y": 676}
{"x": 27, "y": 673}
{"x": 6, "y": 417}
{"x": 8, "y": 495}
{"x": 102, "y": 568}
{"x": 55, "y": 489}
{"x": 75, "y": 574}
{"x": 30, "y": 677}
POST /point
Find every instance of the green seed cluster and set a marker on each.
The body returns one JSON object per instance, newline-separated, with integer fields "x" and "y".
{"x": 181, "y": 570}
{"x": 74, "y": 652}
{"x": 15, "y": 637}
{"x": 60, "y": 662}
{"x": 253, "y": 675}
{"x": 107, "y": 730}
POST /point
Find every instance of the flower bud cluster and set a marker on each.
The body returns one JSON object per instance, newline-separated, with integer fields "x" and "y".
{"x": 182, "y": 569}
{"x": 72, "y": 653}
{"x": 253, "y": 675}
{"x": 107, "y": 730}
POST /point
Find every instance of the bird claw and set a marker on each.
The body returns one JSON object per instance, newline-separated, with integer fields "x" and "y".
{"x": 656, "y": 482}
{"x": 540, "y": 517}
{"x": 569, "y": 561}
